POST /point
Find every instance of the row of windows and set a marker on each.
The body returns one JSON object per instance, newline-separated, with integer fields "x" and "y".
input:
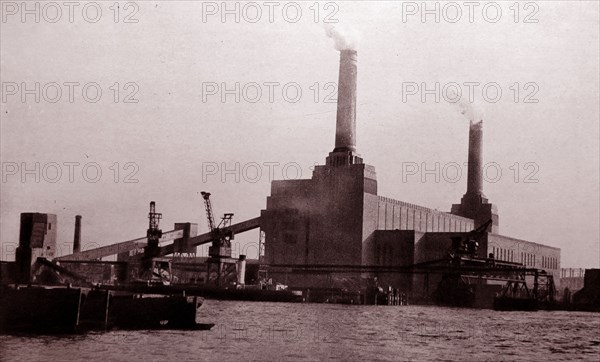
{"x": 526, "y": 258}
{"x": 503, "y": 254}
{"x": 549, "y": 262}
{"x": 396, "y": 217}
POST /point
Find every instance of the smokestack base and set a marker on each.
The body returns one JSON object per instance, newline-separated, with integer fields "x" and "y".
{"x": 343, "y": 158}
{"x": 480, "y": 210}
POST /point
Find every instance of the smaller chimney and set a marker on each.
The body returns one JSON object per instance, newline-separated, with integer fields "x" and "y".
{"x": 77, "y": 236}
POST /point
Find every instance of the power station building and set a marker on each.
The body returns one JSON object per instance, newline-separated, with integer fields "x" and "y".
{"x": 337, "y": 217}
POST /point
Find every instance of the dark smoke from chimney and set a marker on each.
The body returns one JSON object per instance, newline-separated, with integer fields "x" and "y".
{"x": 77, "y": 236}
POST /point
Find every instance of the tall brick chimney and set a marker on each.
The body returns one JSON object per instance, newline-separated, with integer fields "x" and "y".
{"x": 475, "y": 168}
{"x": 474, "y": 204}
{"x": 345, "y": 128}
{"x": 344, "y": 152}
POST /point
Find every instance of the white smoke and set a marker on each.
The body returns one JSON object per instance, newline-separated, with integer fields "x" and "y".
{"x": 470, "y": 110}
{"x": 343, "y": 38}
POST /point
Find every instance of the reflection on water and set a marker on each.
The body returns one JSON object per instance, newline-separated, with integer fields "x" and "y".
{"x": 281, "y": 331}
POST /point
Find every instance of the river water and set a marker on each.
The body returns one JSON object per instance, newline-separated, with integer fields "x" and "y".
{"x": 281, "y": 331}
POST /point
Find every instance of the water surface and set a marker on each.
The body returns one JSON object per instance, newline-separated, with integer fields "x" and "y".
{"x": 247, "y": 331}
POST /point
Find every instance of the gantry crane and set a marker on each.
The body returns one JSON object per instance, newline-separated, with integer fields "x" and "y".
{"x": 153, "y": 267}
{"x": 153, "y": 233}
{"x": 467, "y": 245}
{"x": 221, "y": 234}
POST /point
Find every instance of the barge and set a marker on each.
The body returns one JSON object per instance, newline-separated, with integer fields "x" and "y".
{"x": 62, "y": 309}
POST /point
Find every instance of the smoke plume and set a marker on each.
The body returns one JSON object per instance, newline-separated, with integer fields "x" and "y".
{"x": 344, "y": 39}
{"x": 469, "y": 110}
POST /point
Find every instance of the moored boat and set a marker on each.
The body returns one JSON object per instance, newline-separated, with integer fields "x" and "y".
{"x": 62, "y": 309}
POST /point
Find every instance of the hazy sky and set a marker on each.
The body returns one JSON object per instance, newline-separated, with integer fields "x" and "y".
{"x": 181, "y": 52}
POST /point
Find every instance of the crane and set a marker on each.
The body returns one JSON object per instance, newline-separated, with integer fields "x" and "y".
{"x": 468, "y": 244}
{"x": 209, "y": 211}
{"x": 153, "y": 267}
{"x": 153, "y": 233}
{"x": 221, "y": 235}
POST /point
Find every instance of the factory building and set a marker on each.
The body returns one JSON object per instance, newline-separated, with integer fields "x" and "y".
{"x": 337, "y": 217}
{"x": 37, "y": 239}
